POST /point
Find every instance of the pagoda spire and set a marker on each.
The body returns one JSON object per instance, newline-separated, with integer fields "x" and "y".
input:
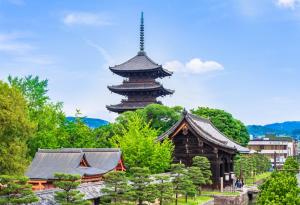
{"x": 142, "y": 34}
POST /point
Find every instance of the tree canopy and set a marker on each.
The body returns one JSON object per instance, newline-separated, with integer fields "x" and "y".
{"x": 137, "y": 141}
{"x": 226, "y": 123}
{"x": 15, "y": 130}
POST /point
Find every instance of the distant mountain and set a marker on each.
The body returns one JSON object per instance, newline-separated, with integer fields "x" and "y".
{"x": 290, "y": 128}
{"x": 91, "y": 122}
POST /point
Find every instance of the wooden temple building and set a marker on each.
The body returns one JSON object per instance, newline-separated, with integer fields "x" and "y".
{"x": 90, "y": 164}
{"x": 139, "y": 86}
{"x": 194, "y": 136}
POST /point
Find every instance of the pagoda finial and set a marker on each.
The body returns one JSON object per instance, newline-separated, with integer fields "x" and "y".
{"x": 142, "y": 33}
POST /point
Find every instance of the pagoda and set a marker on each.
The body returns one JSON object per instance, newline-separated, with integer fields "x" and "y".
{"x": 139, "y": 86}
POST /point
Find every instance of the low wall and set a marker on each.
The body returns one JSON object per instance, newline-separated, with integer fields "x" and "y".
{"x": 241, "y": 199}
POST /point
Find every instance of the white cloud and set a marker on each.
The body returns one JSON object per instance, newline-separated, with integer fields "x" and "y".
{"x": 290, "y": 4}
{"x": 107, "y": 57}
{"x": 195, "y": 65}
{"x": 11, "y": 43}
{"x": 85, "y": 18}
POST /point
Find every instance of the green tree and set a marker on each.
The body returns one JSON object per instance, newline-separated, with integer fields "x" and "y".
{"x": 164, "y": 187}
{"x": 225, "y": 122}
{"x": 196, "y": 176}
{"x": 142, "y": 187}
{"x": 159, "y": 117}
{"x": 47, "y": 116}
{"x": 182, "y": 184}
{"x": 15, "y": 129}
{"x": 116, "y": 186}
{"x": 16, "y": 190}
{"x": 204, "y": 165}
{"x": 291, "y": 165}
{"x": 279, "y": 189}
{"x": 76, "y": 134}
{"x": 137, "y": 141}
{"x": 69, "y": 195}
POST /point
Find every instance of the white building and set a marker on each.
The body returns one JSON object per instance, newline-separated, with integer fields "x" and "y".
{"x": 281, "y": 147}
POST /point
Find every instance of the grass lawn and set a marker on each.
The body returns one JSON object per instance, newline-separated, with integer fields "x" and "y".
{"x": 258, "y": 178}
{"x": 225, "y": 193}
{"x": 197, "y": 201}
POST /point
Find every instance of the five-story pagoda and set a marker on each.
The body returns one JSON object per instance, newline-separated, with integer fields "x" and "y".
{"x": 140, "y": 85}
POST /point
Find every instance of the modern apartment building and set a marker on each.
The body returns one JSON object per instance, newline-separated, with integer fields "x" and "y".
{"x": 281, "y": 147}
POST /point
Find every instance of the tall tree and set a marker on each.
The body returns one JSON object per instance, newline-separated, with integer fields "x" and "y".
{"x": 196, "y": 176}
{"x": 142, "y": 187}
{"x": 225, "y": 122}
{"x": 164, "y": 187}
{"x": 182, "y": 184}
{"x": 137, "y": 141}
{"x": 69, "y": 195}
{"x": 204, "y": 165}
{"x": 15, "y": 130}
{"x": 16, "y": 190}
{"x": 47, "y": 116}
{"x": 116, "y": 186}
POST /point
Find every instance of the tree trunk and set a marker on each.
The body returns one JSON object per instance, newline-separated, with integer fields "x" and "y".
{"x": 176, "y": 199}
{"x": 186, "y": 197}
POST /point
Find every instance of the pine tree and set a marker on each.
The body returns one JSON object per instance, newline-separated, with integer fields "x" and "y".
{"x": 196, "y": 176}
{"x": 142, "y": 187}
{"x": 182, "y": 184}
{"x": 16, "y": 190}
{"x": 204, "y": 164}
{"x": 164, "y": 187}
{"x": 116, "y": 186}
{"x": 69, "y": 195}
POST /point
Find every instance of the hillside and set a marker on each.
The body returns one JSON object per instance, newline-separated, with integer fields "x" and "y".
{"x": 290, "y": 128}
{"x": 91, "y": 122}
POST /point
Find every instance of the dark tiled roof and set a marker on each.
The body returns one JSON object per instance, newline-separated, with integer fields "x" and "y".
{"x": 47, "y": 162}
{"x": 207, "y": 130}
{"x": 133, "y": 87}
{"x": 90, "y": 191}
{"x": 138, "y": 63}
{"x": 127, "y": 106}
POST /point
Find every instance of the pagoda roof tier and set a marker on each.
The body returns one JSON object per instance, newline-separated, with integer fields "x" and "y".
{"x": 140, "y": 63}
{"x": 129, "y": 106}
{"x": 126, "y": 88}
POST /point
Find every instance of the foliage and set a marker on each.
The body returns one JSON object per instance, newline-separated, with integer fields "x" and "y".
{"x": 247, "y": 166}
{"x": 142, "y": 188}
{"x": 15, "y": 129}
{"x": 279, "y": 189}
{"x": 69, "y": 195}
{"x": 47, "y": 116}
{"x": 16, "y": 190}
{"x": 116, "y": 186}
{"x": 196, "y": 176}
{"x": 139, "y": 146}
{"x": 204, "y": 165}
{"x": 164, "y": 187}
{"x": 103, "y": 135}
{"x": 291, "y": 165}
{"x": 182, "y": 184}
{"x": 225, "y": 122}
{"x": 159, "y": 117}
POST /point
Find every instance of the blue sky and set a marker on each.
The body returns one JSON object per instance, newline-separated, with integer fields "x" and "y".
{"x": 238, "y": 55}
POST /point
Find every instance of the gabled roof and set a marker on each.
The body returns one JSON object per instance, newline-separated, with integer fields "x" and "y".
{"x": 47, "y": 162}
{"x": 140, "y": 63}
{"x": 207, "y": 130}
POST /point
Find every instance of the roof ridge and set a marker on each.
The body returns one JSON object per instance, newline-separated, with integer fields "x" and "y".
{"x": 61, "y": 150}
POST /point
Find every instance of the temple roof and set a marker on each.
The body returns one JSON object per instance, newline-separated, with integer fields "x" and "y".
{"x": 207, "y": 130}
{"x": 47, "y": 162}
{"x": 140, "y": 63}
{"x": 147, "y": 86}
{"x": 128, "y": 106}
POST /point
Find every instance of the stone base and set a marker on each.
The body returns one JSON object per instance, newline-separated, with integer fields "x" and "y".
{"x": 241, "y": 199}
